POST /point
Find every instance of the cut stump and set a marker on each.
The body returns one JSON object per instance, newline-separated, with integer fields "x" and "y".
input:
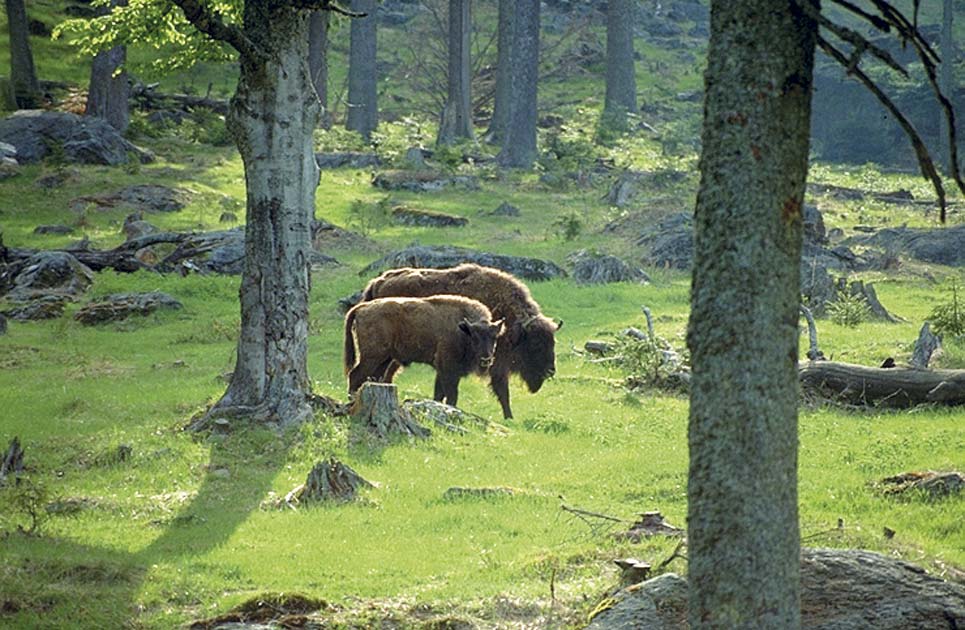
{"x": 927, "y": 346}
{"x": 327, "y": 481}
{"x": 12, "y": 460}
{"x": 377, "y": 408}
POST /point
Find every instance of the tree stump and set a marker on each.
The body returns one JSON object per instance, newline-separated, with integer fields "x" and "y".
{"x": 377, "y": 408}
{"x": 927, "y": 345}
{"x": 331, "y": 480}
{"x": 12, "y": 460}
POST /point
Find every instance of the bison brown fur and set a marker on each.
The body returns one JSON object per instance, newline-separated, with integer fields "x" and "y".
{"x": 527, "y": 347}
{"x": 454, "y": 334}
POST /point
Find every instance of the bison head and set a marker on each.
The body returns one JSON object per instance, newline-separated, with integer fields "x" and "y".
{"x": 482, "y": 341}
{"x": 534, "y": 352}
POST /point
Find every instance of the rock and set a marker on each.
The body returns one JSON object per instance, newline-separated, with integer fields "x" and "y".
{"x": 456, "y": 492}
{"x": 7, "y": 150}
{"x": 936, "y": 484}
{"x": 8, "y": 168}
{"x": 426, "y": 218}
{"x": 840, "y": 590}
{"x": 40, "y": 307}
{"x": 326, "y": 236}
{"x": 351, "y": 160}
{"x": 423, "y": 181}
{"x": 415, "y": 158}
{"x": 451, "y": 418}
{"x": 941, "y": 246}
{"x": 670, "y": 242}
{"x": 228, "y": 217}
{"x": 596, "y": 268}
{"x": 53, "y": 229}
{"x": 47, "y": 273}
{"x": 135, "y": 227}
{"x": 119, "y": 306}
{"x": 442, "y": 256}
{"x": 140, "y": 197}
{"x": 814, "y": 231}
{"x": 505, "y": 209}
{"x": 57, "y": 178}
{"x": 213, "y": 252}
{"x": 622, "y": 190}
{"x": 83, "y": 139}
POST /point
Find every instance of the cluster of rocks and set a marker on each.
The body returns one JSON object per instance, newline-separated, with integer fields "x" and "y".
{"x": 597, "y": 268}
{"x": 423, "y": 181}
{"x": 405, "y": 215}
{"x": 39, "y": 134}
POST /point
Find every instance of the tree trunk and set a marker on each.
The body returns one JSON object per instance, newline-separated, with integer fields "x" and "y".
{"x": 504, "y": 73}
{"x": 272, "y": 116}
{"x": 884, "y": 387}
{"x": 26, "y": 89}
{"x": 743, "y": 534}
{"x": 946, "y": 78}
{"x": 519, "y": 146}
{"x": 318, "y": 59}
{"x": 456, "y": 123}
{"x": 363, "y": 115}
{"x": 108, "y": 94}
{"x": 621, "y": 82}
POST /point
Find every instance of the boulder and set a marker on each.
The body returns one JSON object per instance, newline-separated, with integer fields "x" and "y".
{"x": 505, "y": 209}
{"x": 442, "y": 256}
{"x": 347, "y": 159}
{"x": 426, "y": 218}
{"x": 39, "y": 307}
{"x": 119, "y": 306}
{"x": 83, "y": 139}
{"x": 596, "y": 268}
{"x": 941, "y": 246}
{"x": 423, "y": 181}
{"x": 47, "y": 273}
{"x": 139, "y": 197}
{"x": 135, "y": 227}
{"x": 841, "y": 589}
{"x": 670, "y": 242}
{"x": 53, "y": 229}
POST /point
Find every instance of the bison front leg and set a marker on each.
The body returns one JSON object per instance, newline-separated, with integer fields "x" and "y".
{"x": 499, "y": 381}
{"x": 446, "y": 389}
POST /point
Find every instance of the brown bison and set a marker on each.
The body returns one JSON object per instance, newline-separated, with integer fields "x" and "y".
{"x": 453, "y": 334}
{"x": 526, "y": 347}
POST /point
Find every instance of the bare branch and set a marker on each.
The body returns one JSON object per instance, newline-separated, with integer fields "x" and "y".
{"x": 860, "y": 43}
{"x": 876, "y": 21}
{"x": 214, "y": 27}
{"x": 326, "y": 5}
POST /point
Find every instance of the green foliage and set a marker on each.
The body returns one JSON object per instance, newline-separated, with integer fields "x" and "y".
{"x": 649, "y": 362}
{"x": 567, "y": 152}
{"x": 370, "y": 217}
{"x": 849, "y": 310}
{"x": 23, "y": 504}
{"x": 569, "y": 226}
{"x": 206, "y": 127}
{"x": 948, "y": 318}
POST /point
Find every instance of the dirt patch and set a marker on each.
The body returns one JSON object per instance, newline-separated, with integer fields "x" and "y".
{"x": 286, "y": 611}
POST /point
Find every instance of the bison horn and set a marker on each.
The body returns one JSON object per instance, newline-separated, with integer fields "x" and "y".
{"x": 465, "y": 326}
{"x": 559, "y": 324}
{"x": 529, "y": 320}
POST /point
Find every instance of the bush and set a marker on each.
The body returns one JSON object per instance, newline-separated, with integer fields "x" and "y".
{"x": 369, "y": 217}
{"x": 206, "y": 127}
{"x": 23, "y": 504}
{"x": 849, "y": 310}
{"x": 568, "y": 226}
{"x": 948, "y": 318}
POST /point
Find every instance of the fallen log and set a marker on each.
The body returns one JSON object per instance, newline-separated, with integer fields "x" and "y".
{"x": 122, "y": 258}
{"x": 895, "y": 387}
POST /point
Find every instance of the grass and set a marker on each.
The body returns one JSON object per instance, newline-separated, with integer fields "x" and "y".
{"x": 186, "y": 527}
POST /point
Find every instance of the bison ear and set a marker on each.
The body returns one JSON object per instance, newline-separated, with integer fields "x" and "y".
{"x": 465, "y": 327}
{"x": 559, "y": 325}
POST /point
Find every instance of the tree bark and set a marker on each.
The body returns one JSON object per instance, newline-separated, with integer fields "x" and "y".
{"x": 108, "y": 95}
{"x": 504, "y": 73}
{"x": 272, "y": 116}
{"x": 23, "y": 76}
{"x": 376, "y": 407}
{"x": 743, "y": 535}
{"x": 363, "y": 113}
{"x": 946, "y": 79}
{"x": 884, "y": 387}
{"x": 519, "y": 146}
{"x": 456, "y": 123}
{"x": 318, "y": 59}
{"x": 621, "y": 82}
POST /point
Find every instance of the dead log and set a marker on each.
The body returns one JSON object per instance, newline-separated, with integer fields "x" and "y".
{"x": 12, "y": 460}
{"x": 122, "y": 258}
{"x": 145, "y": 97}
{"x": 331, "y": 480}
{"x": 886, "y": 387}
{"x": 927, "y": 345}
{"x": 377, "y": 408}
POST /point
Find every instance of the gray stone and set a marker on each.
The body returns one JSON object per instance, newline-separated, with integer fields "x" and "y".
{"x": 83, "y": 139}
{"x": 52, "y": 272}
{"x": 423, "y": 181}
{"x": 53, "y": 229}
{"x": 941, "y": 246}
{"x": 670, "y": 242}
{"x": 228, "y": 217}
{"x": 426, "y": 218}
{"x": 596, "y": 268}
{"x": 7, "y": 150}
{"x": 814, "y": 231}
{"x": 347, "y": 159}
{"x": 505, "y": 209}
{"x": 135, "y": 227}
{"x": 120, "y": 306}
{"x": 443, "y": 256}
{"x": 8, "y": 168}
{"x": 39, "y": 307}
{"x": 841, "y": 589}
{"x": 139, "y": 197}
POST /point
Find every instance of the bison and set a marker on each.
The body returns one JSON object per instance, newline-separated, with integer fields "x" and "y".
{"x": 453, "y": 334}
{"x": 526, "y": 347}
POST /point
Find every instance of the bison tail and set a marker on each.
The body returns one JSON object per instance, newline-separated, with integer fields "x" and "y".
{"x": 349, "y": 352}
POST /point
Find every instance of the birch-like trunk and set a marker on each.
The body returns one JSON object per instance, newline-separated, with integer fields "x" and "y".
{"x": 456, "y": 122}
{"x": 272, "y": 117}
{"x": 363, "y": 115}
{"x": 743, "y": 537}
{"x": 108, "y": 93}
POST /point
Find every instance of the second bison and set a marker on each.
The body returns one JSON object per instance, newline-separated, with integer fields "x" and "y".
{"x": 453, "y": 334}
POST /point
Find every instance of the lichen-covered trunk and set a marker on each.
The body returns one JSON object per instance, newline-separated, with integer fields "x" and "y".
{"x": 23, "y": 76}
{"x": 363, "y": 115}
{"x": 272, "y": 117}
{"x": 108, "y": 94}
{"x": 504, "y": 76}
{"x": 743, "y": 535}
{"x": 519, "y": 146}
{"x": 456, "y": 123}
{"x": 318, "y": 59}
{"x": 621, "y": 82}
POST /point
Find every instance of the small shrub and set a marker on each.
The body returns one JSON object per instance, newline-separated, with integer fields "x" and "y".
{"x": 948, "y": 318}
{"x": 849, "y": 310}
{"x": 23, "y": 504}
{"x": 569, "y": 226}
{"x": 206, "y": 127}
{"x": 369, "y": 217}
{"x": 449, "y": 158}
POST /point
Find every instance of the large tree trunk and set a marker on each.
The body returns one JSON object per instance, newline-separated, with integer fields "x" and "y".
{"x": 519, "y": 146}
{"x": 108, "y": 94}
{"x": 23, "y": 76}
{"x": 363, "y": 115}
{"x": 504, "y": 73}
{"x": 743, "y": 535}
{"x": 272, "y": 117}
{"x": 946, "y": 78}
{"x": 621, "y": 82}
{"x": 318, "y": 59}
{"x": 456, "y": 123}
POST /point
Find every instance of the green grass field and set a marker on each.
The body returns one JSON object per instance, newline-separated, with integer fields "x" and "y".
{"x": 187, "y": 526}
